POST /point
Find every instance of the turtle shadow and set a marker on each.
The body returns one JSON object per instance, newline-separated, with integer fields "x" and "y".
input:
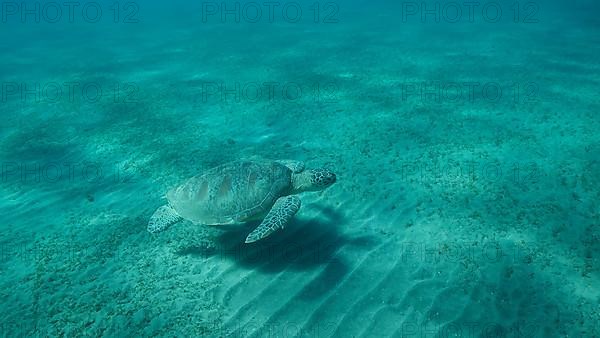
{"x": 303, "y": 245}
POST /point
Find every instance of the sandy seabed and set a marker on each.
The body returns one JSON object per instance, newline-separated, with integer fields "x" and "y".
{"x": 468, "y": 217}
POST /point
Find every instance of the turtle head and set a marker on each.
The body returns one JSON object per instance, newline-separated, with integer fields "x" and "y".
{"x": 312, "y": 180}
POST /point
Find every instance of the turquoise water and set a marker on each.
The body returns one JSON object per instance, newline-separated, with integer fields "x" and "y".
{"x": 465, "y": 146}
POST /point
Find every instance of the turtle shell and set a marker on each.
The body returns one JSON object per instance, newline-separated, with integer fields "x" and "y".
{"x": 231, "y": 193}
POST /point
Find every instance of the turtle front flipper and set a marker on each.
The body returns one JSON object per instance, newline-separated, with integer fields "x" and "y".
{"x": 282, "y": 211}
{"x": 162, "y": 218}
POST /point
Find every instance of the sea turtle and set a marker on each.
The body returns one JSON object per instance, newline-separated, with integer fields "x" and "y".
{"x": 242, "y": 191}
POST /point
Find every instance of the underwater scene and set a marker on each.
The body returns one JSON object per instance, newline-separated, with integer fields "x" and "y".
{"x": 300, "y": 168}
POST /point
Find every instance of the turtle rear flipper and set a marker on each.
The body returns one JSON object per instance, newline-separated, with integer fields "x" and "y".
{"x": 162, "y": 218}
{"x": 282, "y": 211}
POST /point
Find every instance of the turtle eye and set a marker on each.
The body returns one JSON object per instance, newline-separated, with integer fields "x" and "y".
{"x": 323, "y": 177}
{"x": 329, "y": 178}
